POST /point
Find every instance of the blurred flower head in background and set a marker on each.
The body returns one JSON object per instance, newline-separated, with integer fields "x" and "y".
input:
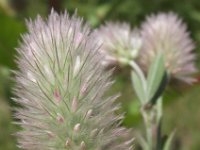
{"x": 166, "y": 33}
{"x": 120, "y": 44}
{"x": 61, "y": 85}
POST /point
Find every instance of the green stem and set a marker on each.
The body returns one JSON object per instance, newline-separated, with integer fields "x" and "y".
{"x": 148, "y": 125}
{"x": 151, "y": 114}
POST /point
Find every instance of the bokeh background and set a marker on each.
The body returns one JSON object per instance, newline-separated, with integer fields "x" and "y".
{"x": 181, "y": 102}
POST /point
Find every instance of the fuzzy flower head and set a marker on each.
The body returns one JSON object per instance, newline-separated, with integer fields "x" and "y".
{"x": 119, "y": 43}
{"x": 166, "y": 33}
{"x": 61, "y": 86}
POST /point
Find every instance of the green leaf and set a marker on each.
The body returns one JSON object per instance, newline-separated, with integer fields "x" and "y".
{"x": 160, "y": 89}
{"x": 155, "y": 75}
{"x": 169, "y": 141}
{"x": 138, "y": 87}
{"x": 159, "y": 108}
{"x": 139, "y": 82}
{"x": 159, "y": 136}
{"x": 143, "y": 143}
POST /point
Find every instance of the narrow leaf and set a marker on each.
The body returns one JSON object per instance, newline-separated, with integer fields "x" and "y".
{"x": 169, "y": 141}
{"x": 155, "y": 75}
{"x": 160, "y": 89}
{"x": 159, "y": 136}
{"x": 143, "y": 143}
{"x": 138, "y": 87}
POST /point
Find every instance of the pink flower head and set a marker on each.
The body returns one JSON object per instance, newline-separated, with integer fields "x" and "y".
{"x": 166, "y": 33}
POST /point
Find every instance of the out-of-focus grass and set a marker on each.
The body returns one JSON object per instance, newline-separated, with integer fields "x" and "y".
{"x": 7, "y": 128}
{"x": 10, "y": 29}
{"x": 183, "y": 114}
{"x": 7, "y": 140}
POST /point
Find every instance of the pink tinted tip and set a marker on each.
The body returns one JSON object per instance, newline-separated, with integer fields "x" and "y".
{"x": 57, "y": 95}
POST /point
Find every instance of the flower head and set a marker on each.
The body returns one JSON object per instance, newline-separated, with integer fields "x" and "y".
{"x": 119, "y": 43}
{"x": 61, "y": 86}
{"x": 167, "y": 33}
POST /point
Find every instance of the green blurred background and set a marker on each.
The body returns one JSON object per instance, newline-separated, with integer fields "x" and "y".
{"x": 181, "y": 102}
